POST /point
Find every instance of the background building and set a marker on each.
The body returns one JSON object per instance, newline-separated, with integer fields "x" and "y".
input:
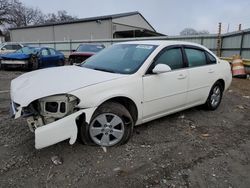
{"x": 124, "y": 25}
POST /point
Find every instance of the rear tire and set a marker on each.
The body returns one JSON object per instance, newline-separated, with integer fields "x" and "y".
{"x": 70, "y": 61}
{"x": 33, "y": 63}
{"x": 215, "y": 96}
{"x": 61, "y": 62}
{"x": 110, "y": 125}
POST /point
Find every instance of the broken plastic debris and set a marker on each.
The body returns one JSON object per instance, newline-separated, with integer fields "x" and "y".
{"x": 247, "y": 97}
{"x": 164, "y": 181}
{"x": 230, "y": 91}
{"x": 117, "y": 169}
{"x": 193, "y": 126}
{"x": 205, "y": 135}
{"x": 240, "y": 107}
{"x": 145, "y": 146}
{"x": 181, "y": 117}
{"x": 104, "y": 149}
{"x": 57, "y": 160}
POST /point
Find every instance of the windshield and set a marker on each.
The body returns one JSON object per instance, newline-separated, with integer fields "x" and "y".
{"x": 28, "y": 50}
{"x": 120, "y": 58}
{"x": 89, "y": 48}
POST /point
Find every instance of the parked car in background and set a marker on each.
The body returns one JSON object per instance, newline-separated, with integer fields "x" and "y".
{"x": 33, "y": 58}
{"x": 9, "y": 47}
{"x": 124, "y": 85}
{"x": 83, "y": 52}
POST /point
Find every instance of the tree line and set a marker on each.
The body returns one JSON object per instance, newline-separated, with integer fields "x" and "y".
{"x": 14, "y": 13}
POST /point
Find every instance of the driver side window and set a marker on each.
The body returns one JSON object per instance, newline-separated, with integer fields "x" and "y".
{"x": 172, "y": 58}
{"x": 45, "y": 52}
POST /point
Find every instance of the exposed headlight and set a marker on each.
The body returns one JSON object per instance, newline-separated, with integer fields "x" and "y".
{"x": 57, "y": 106}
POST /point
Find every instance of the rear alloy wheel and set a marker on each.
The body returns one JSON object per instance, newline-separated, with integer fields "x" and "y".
{"x": 61, "y": 62}
{"x": 111, "y": 125}
{"x": 215, "y": 96}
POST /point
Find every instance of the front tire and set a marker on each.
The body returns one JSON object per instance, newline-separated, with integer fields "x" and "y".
{"x": 215, "y": 96}
{"x": 33, "y": 63}
{"x": 110, "y": 125}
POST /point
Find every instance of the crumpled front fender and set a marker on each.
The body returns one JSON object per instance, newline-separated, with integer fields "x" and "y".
{"x": 63, "y": 129}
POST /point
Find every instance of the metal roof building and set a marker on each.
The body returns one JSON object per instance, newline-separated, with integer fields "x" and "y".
{"x": 123, "y": 25}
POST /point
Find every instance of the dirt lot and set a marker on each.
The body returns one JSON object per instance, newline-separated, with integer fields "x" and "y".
{"x": 193, "y": 148}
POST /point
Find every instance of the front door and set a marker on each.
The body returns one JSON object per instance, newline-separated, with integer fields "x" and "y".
{"x": 46, "y": 60}
{"x": 165, "y": 92}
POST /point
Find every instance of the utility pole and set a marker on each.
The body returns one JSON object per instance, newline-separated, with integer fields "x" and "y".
{"x": 219, "y": 41}
{"x": 239, "y": 27}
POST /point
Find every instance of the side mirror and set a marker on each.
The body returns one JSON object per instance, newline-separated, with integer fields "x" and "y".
{"x": 73, "y": 50}
{"x": 161, "y": 68}
{"x": 3, "y": 49}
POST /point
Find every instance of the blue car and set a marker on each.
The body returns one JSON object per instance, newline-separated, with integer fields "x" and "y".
{"x": 33, "y": 58}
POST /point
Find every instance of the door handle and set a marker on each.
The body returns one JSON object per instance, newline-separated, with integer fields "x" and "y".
{"x": 210, "y": 71}
{"x": 181, "y": 76}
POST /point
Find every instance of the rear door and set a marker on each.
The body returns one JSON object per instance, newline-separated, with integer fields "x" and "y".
{"x": 46, "y": 59}
{"x": 55, "y": 57}
{"x": 202, "y": 71}
{"x": 165, "y": 92}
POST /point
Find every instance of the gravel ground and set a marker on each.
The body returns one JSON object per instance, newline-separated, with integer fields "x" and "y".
{"x": 193, "y": 148}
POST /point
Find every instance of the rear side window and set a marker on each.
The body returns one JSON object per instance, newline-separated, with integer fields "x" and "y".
{"x": 172, "y": 58}
{"x": 195, "y": 57}
{"x": 52, "y": 51}
{"x": 8, "y": 47}
{"x": 211, "y": 59}
{"x": 16, "y": 47}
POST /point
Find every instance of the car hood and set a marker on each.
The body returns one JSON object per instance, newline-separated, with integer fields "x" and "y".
{"x": 15, "y": 56}
{"x": 51, "y": 81}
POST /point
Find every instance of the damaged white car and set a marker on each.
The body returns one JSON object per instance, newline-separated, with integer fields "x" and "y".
{"x": 124, "y": 85}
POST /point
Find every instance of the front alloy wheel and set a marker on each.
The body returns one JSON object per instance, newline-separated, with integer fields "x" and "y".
{"x": 111, "y": 125}
{"x": 107, "y": 129}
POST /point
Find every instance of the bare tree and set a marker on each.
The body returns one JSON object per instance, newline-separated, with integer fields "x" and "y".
{"x": 203, "y": 32}
{"x": 60, "y": 16}
{"x": 191, "y": 31}
{"x": 22, "y": 16}
{"x": 5, "y": 8}
{"x": 188, "y": 31}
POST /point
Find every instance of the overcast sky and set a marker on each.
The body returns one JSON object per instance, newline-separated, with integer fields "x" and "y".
{"x": 166, "y": 16}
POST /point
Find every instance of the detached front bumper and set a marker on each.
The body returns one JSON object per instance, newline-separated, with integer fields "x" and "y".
{"x": 57, "y": 131}
{"x": 60, "y": 130}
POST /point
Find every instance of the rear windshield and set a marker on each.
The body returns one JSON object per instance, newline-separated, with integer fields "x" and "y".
{"x": 28, "y": 50}
{"x": 89, "y": 48}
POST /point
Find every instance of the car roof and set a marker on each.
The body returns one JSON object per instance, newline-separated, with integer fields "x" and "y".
{"x": 163, "y": 43}
{"x": 95, "y": 44}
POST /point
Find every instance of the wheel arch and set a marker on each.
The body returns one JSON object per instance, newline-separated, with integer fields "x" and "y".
{"x": 222, "y": 82}
{"x": 127, "y": 102}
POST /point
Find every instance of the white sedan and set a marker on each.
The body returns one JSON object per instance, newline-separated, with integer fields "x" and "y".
{"x": 124, "y": 85}
{"x": 9, "y": 47}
